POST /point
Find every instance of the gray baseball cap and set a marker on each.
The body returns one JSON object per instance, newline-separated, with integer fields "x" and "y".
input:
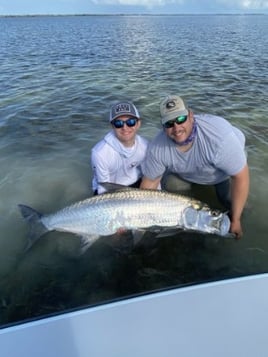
{"x": 123, "y": 108}
{"x": 171, "y": 107}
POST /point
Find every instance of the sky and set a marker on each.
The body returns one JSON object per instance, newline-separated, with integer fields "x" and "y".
{"x": 63, "y": 7}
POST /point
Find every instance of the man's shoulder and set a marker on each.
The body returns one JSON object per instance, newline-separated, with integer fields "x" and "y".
{"x": 102, "y": 152}
{"x": 211, "y": 119}
{"x": 104, "y": 147}
{"x": 213, "y": 125}
{"x": 160, "y": 144}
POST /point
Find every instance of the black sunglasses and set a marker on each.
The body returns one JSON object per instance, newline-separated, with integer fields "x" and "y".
{"x": 118, "y": 123}
{"x": 179, "y": 120}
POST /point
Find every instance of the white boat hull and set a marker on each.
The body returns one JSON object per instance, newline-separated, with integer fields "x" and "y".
{"x": 219, "y": 319}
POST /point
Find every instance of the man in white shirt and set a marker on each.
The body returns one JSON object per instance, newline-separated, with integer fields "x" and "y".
{"x": 118, "y": 156}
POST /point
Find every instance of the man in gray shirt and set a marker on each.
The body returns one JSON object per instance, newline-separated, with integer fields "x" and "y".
{"x": 203, "y": 149}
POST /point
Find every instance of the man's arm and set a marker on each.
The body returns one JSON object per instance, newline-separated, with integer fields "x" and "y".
{"x": 100, "y": 170}
{"x": 149, "y": 184}
{"x": 239, "y": 195}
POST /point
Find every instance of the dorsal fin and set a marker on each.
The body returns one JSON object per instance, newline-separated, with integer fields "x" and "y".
{"x": 113, "y": 187}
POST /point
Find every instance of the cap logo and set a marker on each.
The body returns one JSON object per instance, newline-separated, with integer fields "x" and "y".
{"x": 170, "y": 104}
{"x": 123, "y": 107}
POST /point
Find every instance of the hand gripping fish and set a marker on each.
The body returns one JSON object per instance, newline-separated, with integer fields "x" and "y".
{"x": 131, "y": 209}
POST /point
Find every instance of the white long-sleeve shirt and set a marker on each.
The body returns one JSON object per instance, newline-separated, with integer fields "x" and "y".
{"x": 113, "y": 162}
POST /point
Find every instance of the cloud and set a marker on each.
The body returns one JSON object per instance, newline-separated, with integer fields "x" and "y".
{"x": 255, "y": 4}
{"x": 231, "y": 4}
{"x": 247, "y": 4}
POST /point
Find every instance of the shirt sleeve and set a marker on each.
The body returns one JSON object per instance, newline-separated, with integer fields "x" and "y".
{"x": 231, "y": 157}
{"x": 152, "y": 167}
{"x": 101, "y": 171}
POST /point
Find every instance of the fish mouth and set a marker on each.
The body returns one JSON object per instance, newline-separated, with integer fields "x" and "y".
{"x": 225, "y": 225}
{"x": 206, "y": 221}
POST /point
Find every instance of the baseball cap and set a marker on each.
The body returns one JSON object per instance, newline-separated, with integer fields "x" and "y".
{"x": 123, "y": 108}
{"x": 171, "y": 107}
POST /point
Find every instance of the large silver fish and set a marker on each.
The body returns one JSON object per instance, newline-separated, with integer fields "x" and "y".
{"x": 130, "y": 209}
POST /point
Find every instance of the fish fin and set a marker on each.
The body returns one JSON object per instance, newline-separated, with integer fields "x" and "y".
{"x": 137, "y": 235}
{"x": 161, "y": 232}
{"x": 86, "y": 241}
{"x": 37, "y": 228}
{"x": 166, "y": 233}
{"x": 113, "y": 187}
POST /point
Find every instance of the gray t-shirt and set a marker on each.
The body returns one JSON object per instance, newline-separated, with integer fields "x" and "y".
{"x": 218, "y": 152}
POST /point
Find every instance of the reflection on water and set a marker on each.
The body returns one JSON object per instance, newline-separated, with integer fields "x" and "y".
{"x": 59, "y": 77}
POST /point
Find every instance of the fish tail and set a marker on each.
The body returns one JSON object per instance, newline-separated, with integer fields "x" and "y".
{"x": 34, "y": 218}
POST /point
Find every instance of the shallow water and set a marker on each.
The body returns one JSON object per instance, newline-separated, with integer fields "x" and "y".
{"x": 59, "y": 76}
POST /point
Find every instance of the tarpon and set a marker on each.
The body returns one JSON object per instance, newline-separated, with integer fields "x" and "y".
{"x": 131, "y": 209}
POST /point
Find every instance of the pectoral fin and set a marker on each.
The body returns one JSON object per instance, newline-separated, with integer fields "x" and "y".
{"x": 137, "y": 235}
{"x": 87, "y": 241}
{"x": 168, "y": 232}
{"x": 161, "y": 232}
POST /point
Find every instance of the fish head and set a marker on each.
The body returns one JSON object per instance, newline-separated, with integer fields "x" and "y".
{"x": 207, "y": 220}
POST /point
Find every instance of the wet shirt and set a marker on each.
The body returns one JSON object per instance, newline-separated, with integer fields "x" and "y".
{"x": 218, "y": 152}
{"x": 113, "y": 162}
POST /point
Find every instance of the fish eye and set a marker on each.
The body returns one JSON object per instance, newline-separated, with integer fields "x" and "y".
{"x": 197, "y": 206}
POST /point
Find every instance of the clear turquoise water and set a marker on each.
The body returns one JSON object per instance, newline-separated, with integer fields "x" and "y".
{"x": 58, "y": 78}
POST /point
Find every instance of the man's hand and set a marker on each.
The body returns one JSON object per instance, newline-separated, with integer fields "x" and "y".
{"x": 149, "y": 184}
{"x": 236, "y": 229}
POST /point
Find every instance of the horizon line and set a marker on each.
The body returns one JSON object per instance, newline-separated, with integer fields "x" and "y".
{"x": 138, "y": 14}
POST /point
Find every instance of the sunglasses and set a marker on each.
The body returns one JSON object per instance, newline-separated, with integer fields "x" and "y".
{"x": 118, "y": 123}
{"x": 179, "y": 120}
